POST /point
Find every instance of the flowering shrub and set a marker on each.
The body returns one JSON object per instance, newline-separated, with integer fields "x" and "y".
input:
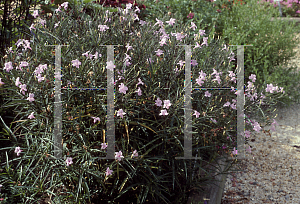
{"x": 199, "y": 12}
{"x": 149, "y": 109}
{"x": 288, "y": 7}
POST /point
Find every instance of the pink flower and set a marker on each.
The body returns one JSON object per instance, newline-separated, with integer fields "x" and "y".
{"x": 65, "y": 5}
{"x": 31, "y": 27}
{"x": 42, "y": 22}
{"x": 30, "y": 98}
{"x": 108, "y": 171}
{"x": 23, "y": 64}
{"x": 235, "y": 152}
{"x": 205, "y": 41}
{"x": 139, "y": 91}
{"x": 164, "y": 112}
{"x": 31, "y": 116}
{"x": 159, "y": 52}
{"x": 194, "y": 62}
{"x": 102, "y": 27}
{"x": 191, "y": 15}
{"x": 253, "y": 77}
{"x": 233, "y": 106}
{"x": 35, "y": 13}
{"x": 58, "y": 9}
{"x": 226, "y": 104}
{"x": 26, "y": 44}
{"x": 167, "y": 104}
{"x": 202, "y": 75}
{"x": 213, "y": 120}
{"x": 110, "y": 65}
{"x": 225, "y": 48}
{"x": 159, "y": 22}
{"x": 247, "y": 134}
{"x": 135, "y": 154}
{"x": 120, "y": 113}
{"x": 171, "y": 22}
{"x": 56, "y": 24}
{"x": 137, "y": 10}
{"x": 197, "y": 45}
{"x": 193, "y": 26}
{"x": 181, "y": 63}
{"x": 142, "y": 22}
{"x": 18, "y": 151}
{"x": 179, "y": 36}
{"x": 103, "y": 145}
{"x": 96, "y": 55}
{"x": 23, "y": 88}
{"x": 8, "y": 66}
{"x": 196, "y": 113}
{"x": 256, "y": 127}
{"x": 199, "y": 81}
{"x": 202, "y": 32}
{"x": 274, "y": 123}
{"x": 40, "y": 78}
{"x": 207, "y": 94}
{"x": 140, "y": 82}
{"x": 158, "y": 102}
{"x": 76, "y": 63}
{"x": 118, "y": 155}
{"x": 69, "y": 161}
{"x": 95, "y": 119}
{"x": 128, "y": 47}
{"x": 298, "y": 11}
{"x": 86, "y": 54}
{"x": 10, "y": 50}
{"x": 18, "y": 82}
{"x": 19, "y": 42}
{"x": 1, "y": 83}
{"x": 123, "y": 88}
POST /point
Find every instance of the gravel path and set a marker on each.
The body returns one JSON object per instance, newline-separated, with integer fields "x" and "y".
{"x": 272, "y": 175}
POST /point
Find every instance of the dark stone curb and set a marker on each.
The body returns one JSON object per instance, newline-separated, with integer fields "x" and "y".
{"x": 214, "y": 191}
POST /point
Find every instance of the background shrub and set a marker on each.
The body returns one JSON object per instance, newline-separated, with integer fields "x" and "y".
{"x": 273, "y": 44}
{"x": 155, "y": 176}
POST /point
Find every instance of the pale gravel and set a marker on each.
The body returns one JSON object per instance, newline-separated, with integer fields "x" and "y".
{"x": 267, "y": 176}
{"x": 271, "y": 173}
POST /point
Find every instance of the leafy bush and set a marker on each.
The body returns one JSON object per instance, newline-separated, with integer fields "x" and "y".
{"x": 272, "y": 41}
{"x": 149, "y": 134}
{"x": 200, "y": 12}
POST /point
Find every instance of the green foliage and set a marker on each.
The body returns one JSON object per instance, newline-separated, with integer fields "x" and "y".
{"x": 155, "y": 176}
{"x": 205, "y": 15}
{"x": 272, "y": 42}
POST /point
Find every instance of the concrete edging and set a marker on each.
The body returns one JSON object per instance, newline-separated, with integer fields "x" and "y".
{"x": 214, "y": 191}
